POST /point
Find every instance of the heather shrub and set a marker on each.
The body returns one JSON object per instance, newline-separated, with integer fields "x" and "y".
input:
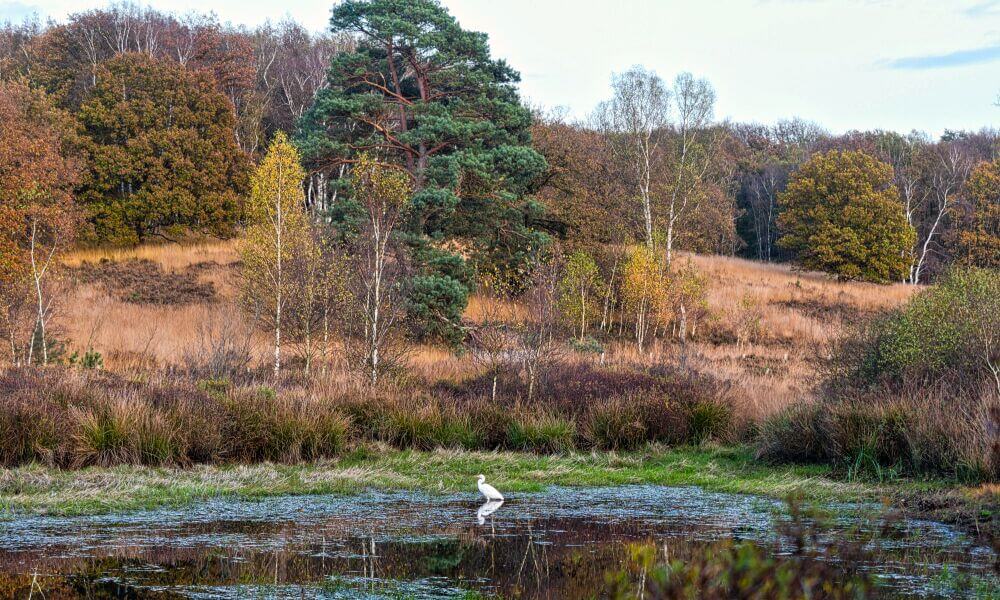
{"x": 142, "y": 281}
{"x": 570, "y": 385}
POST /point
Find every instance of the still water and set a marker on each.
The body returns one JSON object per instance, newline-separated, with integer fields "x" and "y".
{"x": 560, "y": 543}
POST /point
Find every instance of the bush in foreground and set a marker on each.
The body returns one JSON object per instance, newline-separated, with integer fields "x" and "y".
{"x": 914, "y": 391}
{"x": 802, "y": 563}
{"x": 884, "y": 433}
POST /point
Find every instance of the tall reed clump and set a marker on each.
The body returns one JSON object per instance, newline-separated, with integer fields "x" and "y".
{"x": 540, "y": 431}
{"x": 618, "y": 423}
{"x": 68, "y": 419}
{"x": 261, "y": 425}
{"x": 884, "y": 433}
{"x": 124, "y": 430}
{"x": 30, "y": 432}
{"x": 424, "y": 423}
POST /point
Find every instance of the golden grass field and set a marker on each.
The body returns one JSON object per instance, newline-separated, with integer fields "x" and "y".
{"x": 800, "y": 314}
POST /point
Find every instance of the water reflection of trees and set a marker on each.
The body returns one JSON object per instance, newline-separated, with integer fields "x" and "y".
{"x": 540, "y": 558}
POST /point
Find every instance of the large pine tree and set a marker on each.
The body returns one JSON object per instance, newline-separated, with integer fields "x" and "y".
{"x": 423, "y": 94}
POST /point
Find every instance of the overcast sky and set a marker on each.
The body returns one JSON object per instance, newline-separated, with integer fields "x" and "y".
{"x": 846, "y": 64}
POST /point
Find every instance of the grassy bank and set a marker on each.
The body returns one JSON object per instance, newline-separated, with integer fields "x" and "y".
{"x": 35, "y": 489}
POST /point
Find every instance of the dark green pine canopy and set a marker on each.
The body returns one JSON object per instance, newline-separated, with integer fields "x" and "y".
{"x": 423, "y": 94}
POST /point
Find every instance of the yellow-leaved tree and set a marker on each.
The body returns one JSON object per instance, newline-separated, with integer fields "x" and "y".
{"x": 278, "y": 233}
{"x": 383, "y": 195}
{"x": 643, "y": 288}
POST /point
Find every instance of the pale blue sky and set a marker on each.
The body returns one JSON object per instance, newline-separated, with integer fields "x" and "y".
{"x": 846, "y": 64}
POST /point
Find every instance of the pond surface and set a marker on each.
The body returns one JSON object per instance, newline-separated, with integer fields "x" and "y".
{"x": 555, "y": 544}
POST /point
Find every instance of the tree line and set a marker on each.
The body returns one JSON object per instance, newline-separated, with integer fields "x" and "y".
{"x": 651, "y": 160}
{"x": 388, "y": 167}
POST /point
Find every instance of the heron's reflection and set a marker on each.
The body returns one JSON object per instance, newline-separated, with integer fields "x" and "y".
{"x": 487, "y": 509}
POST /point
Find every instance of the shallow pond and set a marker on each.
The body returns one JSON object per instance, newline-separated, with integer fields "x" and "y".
{"x": 558, "y": 544}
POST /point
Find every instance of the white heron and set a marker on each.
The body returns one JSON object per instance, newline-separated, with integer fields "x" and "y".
{"x": 488, "y": 490}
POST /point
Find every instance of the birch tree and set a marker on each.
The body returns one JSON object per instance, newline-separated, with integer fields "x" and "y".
{"x": 319, "y": 291}
{"x": 38, "y": 218}
{"x": 578, "y": 289}
{"x": 695, "y": 103}
{"x": 762, "y": 192}
{"x": 278, "y": 233}
{"x": 383, "y": 194}
{"x": 637, "y": 111}
{"x": 949, "y": 171}
{"x": 980, "y": 311}
{"x": 642, "y": 286}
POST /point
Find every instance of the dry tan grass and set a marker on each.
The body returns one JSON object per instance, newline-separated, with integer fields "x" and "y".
{"x": 801, "y": 314}
{"x": 480, "y": 308}
{"x": 132, "y": 335}
{"x": 171, "y": 257}
{"x": 732, "y": 277}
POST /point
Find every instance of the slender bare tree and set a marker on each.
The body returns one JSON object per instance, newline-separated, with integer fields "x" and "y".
{"x": 950, "y": 169}
{"x": 538, "y": 343}
{"x": 632, "y": 119}
{"x": 695, "y": 101}
{"x": 383, "y": 194}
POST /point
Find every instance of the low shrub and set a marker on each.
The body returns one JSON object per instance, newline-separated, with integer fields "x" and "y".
{"x": 949, "y": 332}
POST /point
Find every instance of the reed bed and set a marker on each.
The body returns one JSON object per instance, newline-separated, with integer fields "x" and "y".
{"x": 74, "y": 418}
